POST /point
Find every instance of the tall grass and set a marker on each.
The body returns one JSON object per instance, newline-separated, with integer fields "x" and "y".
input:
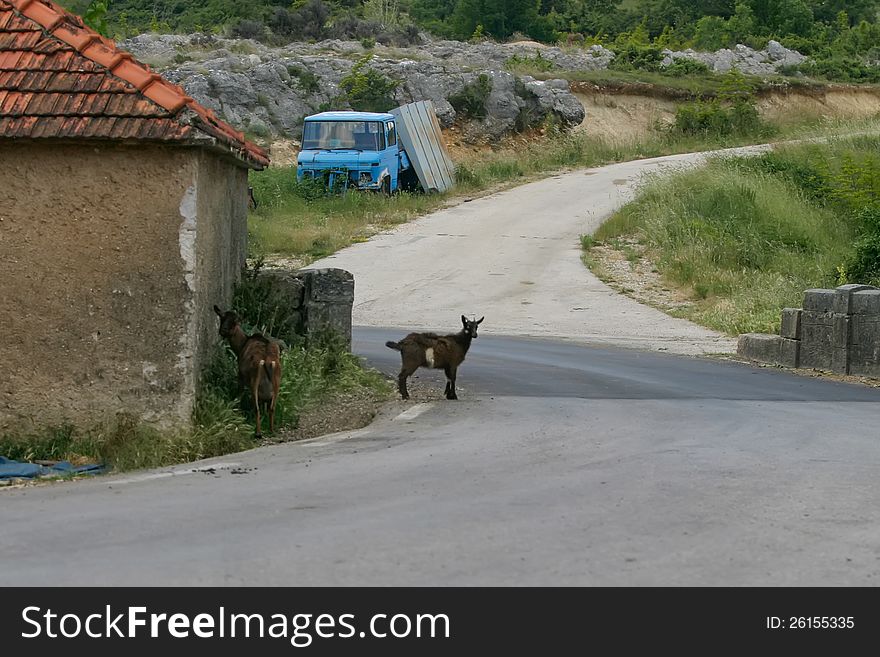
{"x": 748, "y": 236}
{"x": 292, "y": 219}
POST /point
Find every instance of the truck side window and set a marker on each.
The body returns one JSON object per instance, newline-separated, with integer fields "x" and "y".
{"x": 392, "y": 134}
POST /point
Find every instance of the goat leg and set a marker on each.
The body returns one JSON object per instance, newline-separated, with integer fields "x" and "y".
{"x": 450, "y": 383}
{"x": 256, "y": 390}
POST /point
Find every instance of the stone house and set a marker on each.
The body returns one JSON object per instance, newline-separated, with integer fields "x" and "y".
{"x": 122, "y": 221}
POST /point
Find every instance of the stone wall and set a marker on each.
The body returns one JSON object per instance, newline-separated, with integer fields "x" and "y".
{"x": 836, "y": 330}
{"x": 322, "y": 299}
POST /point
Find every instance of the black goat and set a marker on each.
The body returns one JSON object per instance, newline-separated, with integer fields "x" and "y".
{"x": 441, "y": 352}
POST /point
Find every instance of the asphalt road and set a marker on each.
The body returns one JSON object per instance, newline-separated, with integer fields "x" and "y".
{"x": 562, "y": 465}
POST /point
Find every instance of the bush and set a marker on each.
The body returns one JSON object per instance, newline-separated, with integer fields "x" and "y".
{"x": 368, "y": 90}
{"x": 308, "y": 81}
{"x": 715, "y": 119}
{"x": 842, "y": 69}
{"x": 470, "y": 102}
{"x": 306, "y": 23}
{"x": 248, "y": 30}
{"x": 633, "y": 57}
{"x": 684, "y": 66}
{"x": 864, "y": 266}
{"x": 524, "y": 63}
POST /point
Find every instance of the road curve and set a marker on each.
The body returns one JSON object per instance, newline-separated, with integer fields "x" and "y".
{"x": 515, "y": 257}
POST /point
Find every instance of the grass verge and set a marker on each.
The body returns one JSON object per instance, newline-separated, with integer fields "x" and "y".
{"x": 746, "y": 236}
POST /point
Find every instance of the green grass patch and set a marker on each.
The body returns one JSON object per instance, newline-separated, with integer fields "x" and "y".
{"x": 748, "y": 235}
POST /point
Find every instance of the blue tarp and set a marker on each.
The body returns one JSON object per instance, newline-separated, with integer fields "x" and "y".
{"x": 17, "y": 470}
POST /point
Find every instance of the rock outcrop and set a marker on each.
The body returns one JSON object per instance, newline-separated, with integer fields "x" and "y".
{"x": 267, "y": 91}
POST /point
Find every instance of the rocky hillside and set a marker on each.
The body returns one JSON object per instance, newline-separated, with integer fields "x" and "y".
{"x": 267, "y": 91}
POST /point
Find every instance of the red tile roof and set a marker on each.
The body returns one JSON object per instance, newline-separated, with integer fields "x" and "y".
{"x": 60, "y": 79}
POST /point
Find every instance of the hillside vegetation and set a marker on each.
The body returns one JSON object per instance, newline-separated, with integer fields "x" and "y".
{"x": 746, "y": 236}
{"x": 841, "y": 36}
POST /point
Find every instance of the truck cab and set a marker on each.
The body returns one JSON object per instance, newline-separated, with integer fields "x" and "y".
{"x": 352, "y": 149}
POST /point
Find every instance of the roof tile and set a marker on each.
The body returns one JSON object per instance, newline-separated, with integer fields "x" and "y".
{"x": 59, "y": 79}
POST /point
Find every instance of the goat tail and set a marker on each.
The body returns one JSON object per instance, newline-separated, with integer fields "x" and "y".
{"x": 393, "y": 345}
{"x": 269, "y": 366}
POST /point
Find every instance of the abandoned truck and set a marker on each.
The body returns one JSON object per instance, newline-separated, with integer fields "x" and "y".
{"x": 387, "y": 152}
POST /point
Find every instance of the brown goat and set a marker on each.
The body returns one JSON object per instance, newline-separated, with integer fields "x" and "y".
{"x": 259, "y": 364}
{"x": 444, "y": 352}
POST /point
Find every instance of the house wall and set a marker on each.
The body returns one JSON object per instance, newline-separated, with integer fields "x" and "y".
{"x": 221, "y": 245}
{"x": 108, "y": 259}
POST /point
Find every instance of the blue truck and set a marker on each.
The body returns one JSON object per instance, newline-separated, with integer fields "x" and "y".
{"x": 384, "y": 152}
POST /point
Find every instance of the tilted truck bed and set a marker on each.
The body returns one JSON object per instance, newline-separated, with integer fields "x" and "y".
{"x": 419, "y": 132}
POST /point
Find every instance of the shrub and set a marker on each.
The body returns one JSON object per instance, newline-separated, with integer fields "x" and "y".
{"x": 842, "y": 69}
{"x": 716, "y": 119}
{"x": 684, "y": 66}
{"x": 864, "y": 265}
{"x": 470, "y": 102}
{"x": 308, "y": 81}
{"x": 525, "y": 63}
{"x": 368, "y": 90}
{"x": 248, "y": 30}
{"x": 632, "y": 57}
{"x": 307, "y": 22}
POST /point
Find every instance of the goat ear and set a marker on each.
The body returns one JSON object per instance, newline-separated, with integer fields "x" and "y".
{"x": 464, "y": 320}
{"x": 218, "y": 311}
{"x": 480, "y": 320}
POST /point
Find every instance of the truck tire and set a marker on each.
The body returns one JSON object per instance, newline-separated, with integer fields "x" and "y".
{"x": 386, "y": 186}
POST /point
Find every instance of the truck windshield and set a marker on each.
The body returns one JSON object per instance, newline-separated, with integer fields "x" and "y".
{"x": 333, "y": 135}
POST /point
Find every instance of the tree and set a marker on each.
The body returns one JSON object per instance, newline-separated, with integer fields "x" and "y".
{"x": 499, "y": 18}
{"x": 95, "y": 16}
{"x": 367, "y": 90}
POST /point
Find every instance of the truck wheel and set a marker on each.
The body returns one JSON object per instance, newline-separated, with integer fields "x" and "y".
{"x": 386, "y": 186}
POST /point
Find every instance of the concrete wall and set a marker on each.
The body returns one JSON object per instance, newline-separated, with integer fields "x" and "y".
{"x": 111, "y": 257}
{"x": 322, "y": 299}
{"x": 836, "y": 330}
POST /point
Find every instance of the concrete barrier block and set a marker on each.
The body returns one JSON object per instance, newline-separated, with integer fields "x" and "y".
{"x": 865, "y": 330}
{"x": 864, "y": 350}
{"x": 840, "y": 360}
{"x": 330, "y": 285}
{"x": 843, "y": 297}
{"x": 866, "y": 302}
{"x": 761, "y": 347}
{"x": 288, "y": 287}
{"x": 871, "y": 369}
{"x": 789, "y": 352}
{"x": 813, "y": 318}
{"x": 816, "y": 343}
{"x": 840, "y": 334}
{"x": 819, "y": 300}
{"x": 791, "y": 323}
{"x": 324, "y": 318}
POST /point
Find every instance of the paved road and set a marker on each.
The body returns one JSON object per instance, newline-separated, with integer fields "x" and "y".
{"x": 515, "y": 257}
{"x": 562, "y": 464}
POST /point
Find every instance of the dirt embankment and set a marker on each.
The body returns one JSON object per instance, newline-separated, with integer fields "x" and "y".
{"x": 629, "y": 113}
